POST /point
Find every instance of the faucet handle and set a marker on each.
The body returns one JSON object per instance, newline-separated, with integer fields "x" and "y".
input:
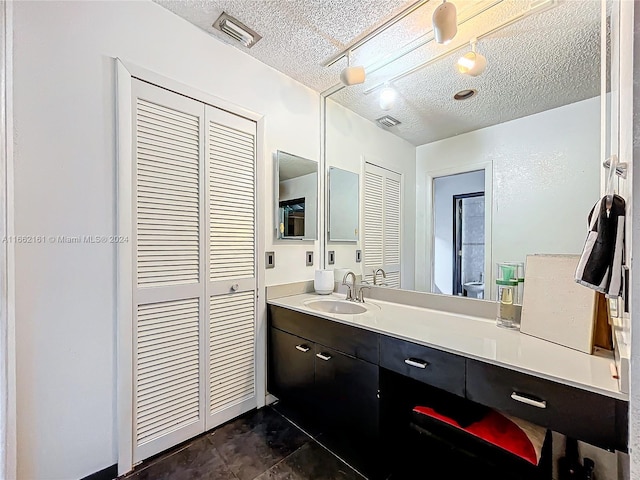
{"x": 360, "y": 297}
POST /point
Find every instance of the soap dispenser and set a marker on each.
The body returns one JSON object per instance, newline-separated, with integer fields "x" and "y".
{"x": 507, "y": 295}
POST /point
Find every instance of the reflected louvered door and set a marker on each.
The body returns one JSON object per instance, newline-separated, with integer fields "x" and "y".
{"x": 169, "y": 287}
{"x": 373, "y": 221}
{"x": 382, "y": 224}
{"x": 231, "y": 265}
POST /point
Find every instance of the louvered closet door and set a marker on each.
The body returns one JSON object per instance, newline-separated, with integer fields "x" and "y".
{"x": 169, "y": 284}
{"x": 382, "y": 223}
{"x": 231, "y": 265}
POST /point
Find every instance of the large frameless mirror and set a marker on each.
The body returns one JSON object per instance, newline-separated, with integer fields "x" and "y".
{"x": 461, "y": 171}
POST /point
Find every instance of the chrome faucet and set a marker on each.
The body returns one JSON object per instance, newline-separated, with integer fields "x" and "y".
{"x": 353, "y": 284}
{"x": 360, "y": 296}
{"x": 375, "y": 276}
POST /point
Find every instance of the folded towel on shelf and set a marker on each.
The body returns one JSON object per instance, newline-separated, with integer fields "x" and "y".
{"x": 600, "y": 266}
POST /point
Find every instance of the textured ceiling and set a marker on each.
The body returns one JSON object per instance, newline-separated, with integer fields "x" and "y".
{"x": 292, "y": 166}
{"x": 544, "y": 61}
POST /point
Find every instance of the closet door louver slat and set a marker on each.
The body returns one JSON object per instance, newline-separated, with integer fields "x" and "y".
{"x": 232, "y": 203}
{"x": 169, "y": 229}
{"x": 382, "y": 224}
{"x": 373, "y": 225}
{"x": 232, "y": 325}
{"x": 176, "y": 410}
{"x": 392, "y": 215}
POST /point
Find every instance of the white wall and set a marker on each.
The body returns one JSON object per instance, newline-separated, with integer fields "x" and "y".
{"x": 305, "y": 187}
{"x": 546, "y": 178}
{"x": 350, "y": 140}
{"x": 65, "y": 184}
{"x": 444, "y": 190}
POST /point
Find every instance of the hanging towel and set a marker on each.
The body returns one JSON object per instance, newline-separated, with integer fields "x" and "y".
{"x": 600, "y": 266}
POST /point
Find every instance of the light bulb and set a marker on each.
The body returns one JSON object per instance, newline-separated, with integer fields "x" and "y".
{"x": 387, "y": 98}
{"x": 472, "y": 63}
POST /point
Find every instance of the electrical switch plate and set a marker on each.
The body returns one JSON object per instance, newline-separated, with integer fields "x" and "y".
{"x": 309, "y": 259}
{"x": 358, "y": 256}
{"x": 270, "y": 259}
{"x": 332, "y": 257}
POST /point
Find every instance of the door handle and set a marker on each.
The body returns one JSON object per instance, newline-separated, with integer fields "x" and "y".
{"x": 518, "y": 397}
{"x": 416, "y": 362}
{"x": 303, "y": 348}
{"x": 234, "y": 287}
{"x": 323, "y": 356}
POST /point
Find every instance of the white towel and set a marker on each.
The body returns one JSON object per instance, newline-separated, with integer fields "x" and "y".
{"x": 600, "y": 266}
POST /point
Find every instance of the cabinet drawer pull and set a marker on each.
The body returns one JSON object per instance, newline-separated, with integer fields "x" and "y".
{"x": 303, "y": 348}
{"x": 323, "y": 356}
{"x": 518, "y": 397}
{"x": 416, "y": 362}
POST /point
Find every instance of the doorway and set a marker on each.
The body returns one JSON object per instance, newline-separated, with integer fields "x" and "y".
{"x": 468, "y": 238}
{"x": 459, "y": 234}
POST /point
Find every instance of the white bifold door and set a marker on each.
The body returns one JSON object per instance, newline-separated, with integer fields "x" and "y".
{"x": 194, "y": 272}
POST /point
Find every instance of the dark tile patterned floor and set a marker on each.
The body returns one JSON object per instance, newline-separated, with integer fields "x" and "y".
{"x": 260, "y": 445}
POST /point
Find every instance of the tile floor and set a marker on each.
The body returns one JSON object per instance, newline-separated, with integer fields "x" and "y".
{"x": 260, "y": 445}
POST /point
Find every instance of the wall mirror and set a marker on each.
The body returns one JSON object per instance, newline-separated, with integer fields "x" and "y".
{"x": 296, "y": 197}
{"x": 344, "y": 205}
{"x": 490, "y": 167}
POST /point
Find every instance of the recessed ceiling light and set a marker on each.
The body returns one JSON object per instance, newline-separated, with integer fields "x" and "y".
{"x": 465, "y": 94}
{"x": 236, "y": 30}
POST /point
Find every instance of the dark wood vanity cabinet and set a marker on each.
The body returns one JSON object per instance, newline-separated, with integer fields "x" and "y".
{"x": 333, "y": 373}
{"x": 590, "y": 417}
{"x": 323, "y": 371}
{"x": 433, "y": 367}
{"x": 347, "y": 389}
{"x": 291, "y": 367}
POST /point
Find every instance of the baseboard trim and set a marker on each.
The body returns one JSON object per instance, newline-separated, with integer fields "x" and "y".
{"x": 108, "y": 473}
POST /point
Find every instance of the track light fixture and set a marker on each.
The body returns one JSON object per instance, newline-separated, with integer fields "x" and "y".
{"x": 472, "y": 63}
{"x": 352, "y": 75}
{"x": 388, "y": 98}
{"x": 445, "y": 22}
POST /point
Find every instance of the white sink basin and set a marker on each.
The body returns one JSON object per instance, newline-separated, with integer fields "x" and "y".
{"x": 336, "y": 306}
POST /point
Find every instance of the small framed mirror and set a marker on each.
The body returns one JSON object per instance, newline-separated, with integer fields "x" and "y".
{"x": 296, "y": 197}
{"x": 344, "y": 205}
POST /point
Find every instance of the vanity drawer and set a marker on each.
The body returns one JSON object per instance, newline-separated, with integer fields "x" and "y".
{"x": 353, "y": 341}
{"x": 434, "y": 367}
{"x": 572, "y": 411}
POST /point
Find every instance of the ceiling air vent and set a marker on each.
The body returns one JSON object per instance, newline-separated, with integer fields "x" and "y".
{"x": 236, "y": 30}
{"x": 388, "y": 121}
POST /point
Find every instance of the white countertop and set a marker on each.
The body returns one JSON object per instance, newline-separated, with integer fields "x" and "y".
{"x": 476, "y": 338}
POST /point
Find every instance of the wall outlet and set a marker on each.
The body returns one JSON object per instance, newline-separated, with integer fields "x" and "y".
{"x": 332, "y": 257}
{"x": 270, "y": 259}
{"x": 358, "y": 256}
{"x": 309, "y": 259}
